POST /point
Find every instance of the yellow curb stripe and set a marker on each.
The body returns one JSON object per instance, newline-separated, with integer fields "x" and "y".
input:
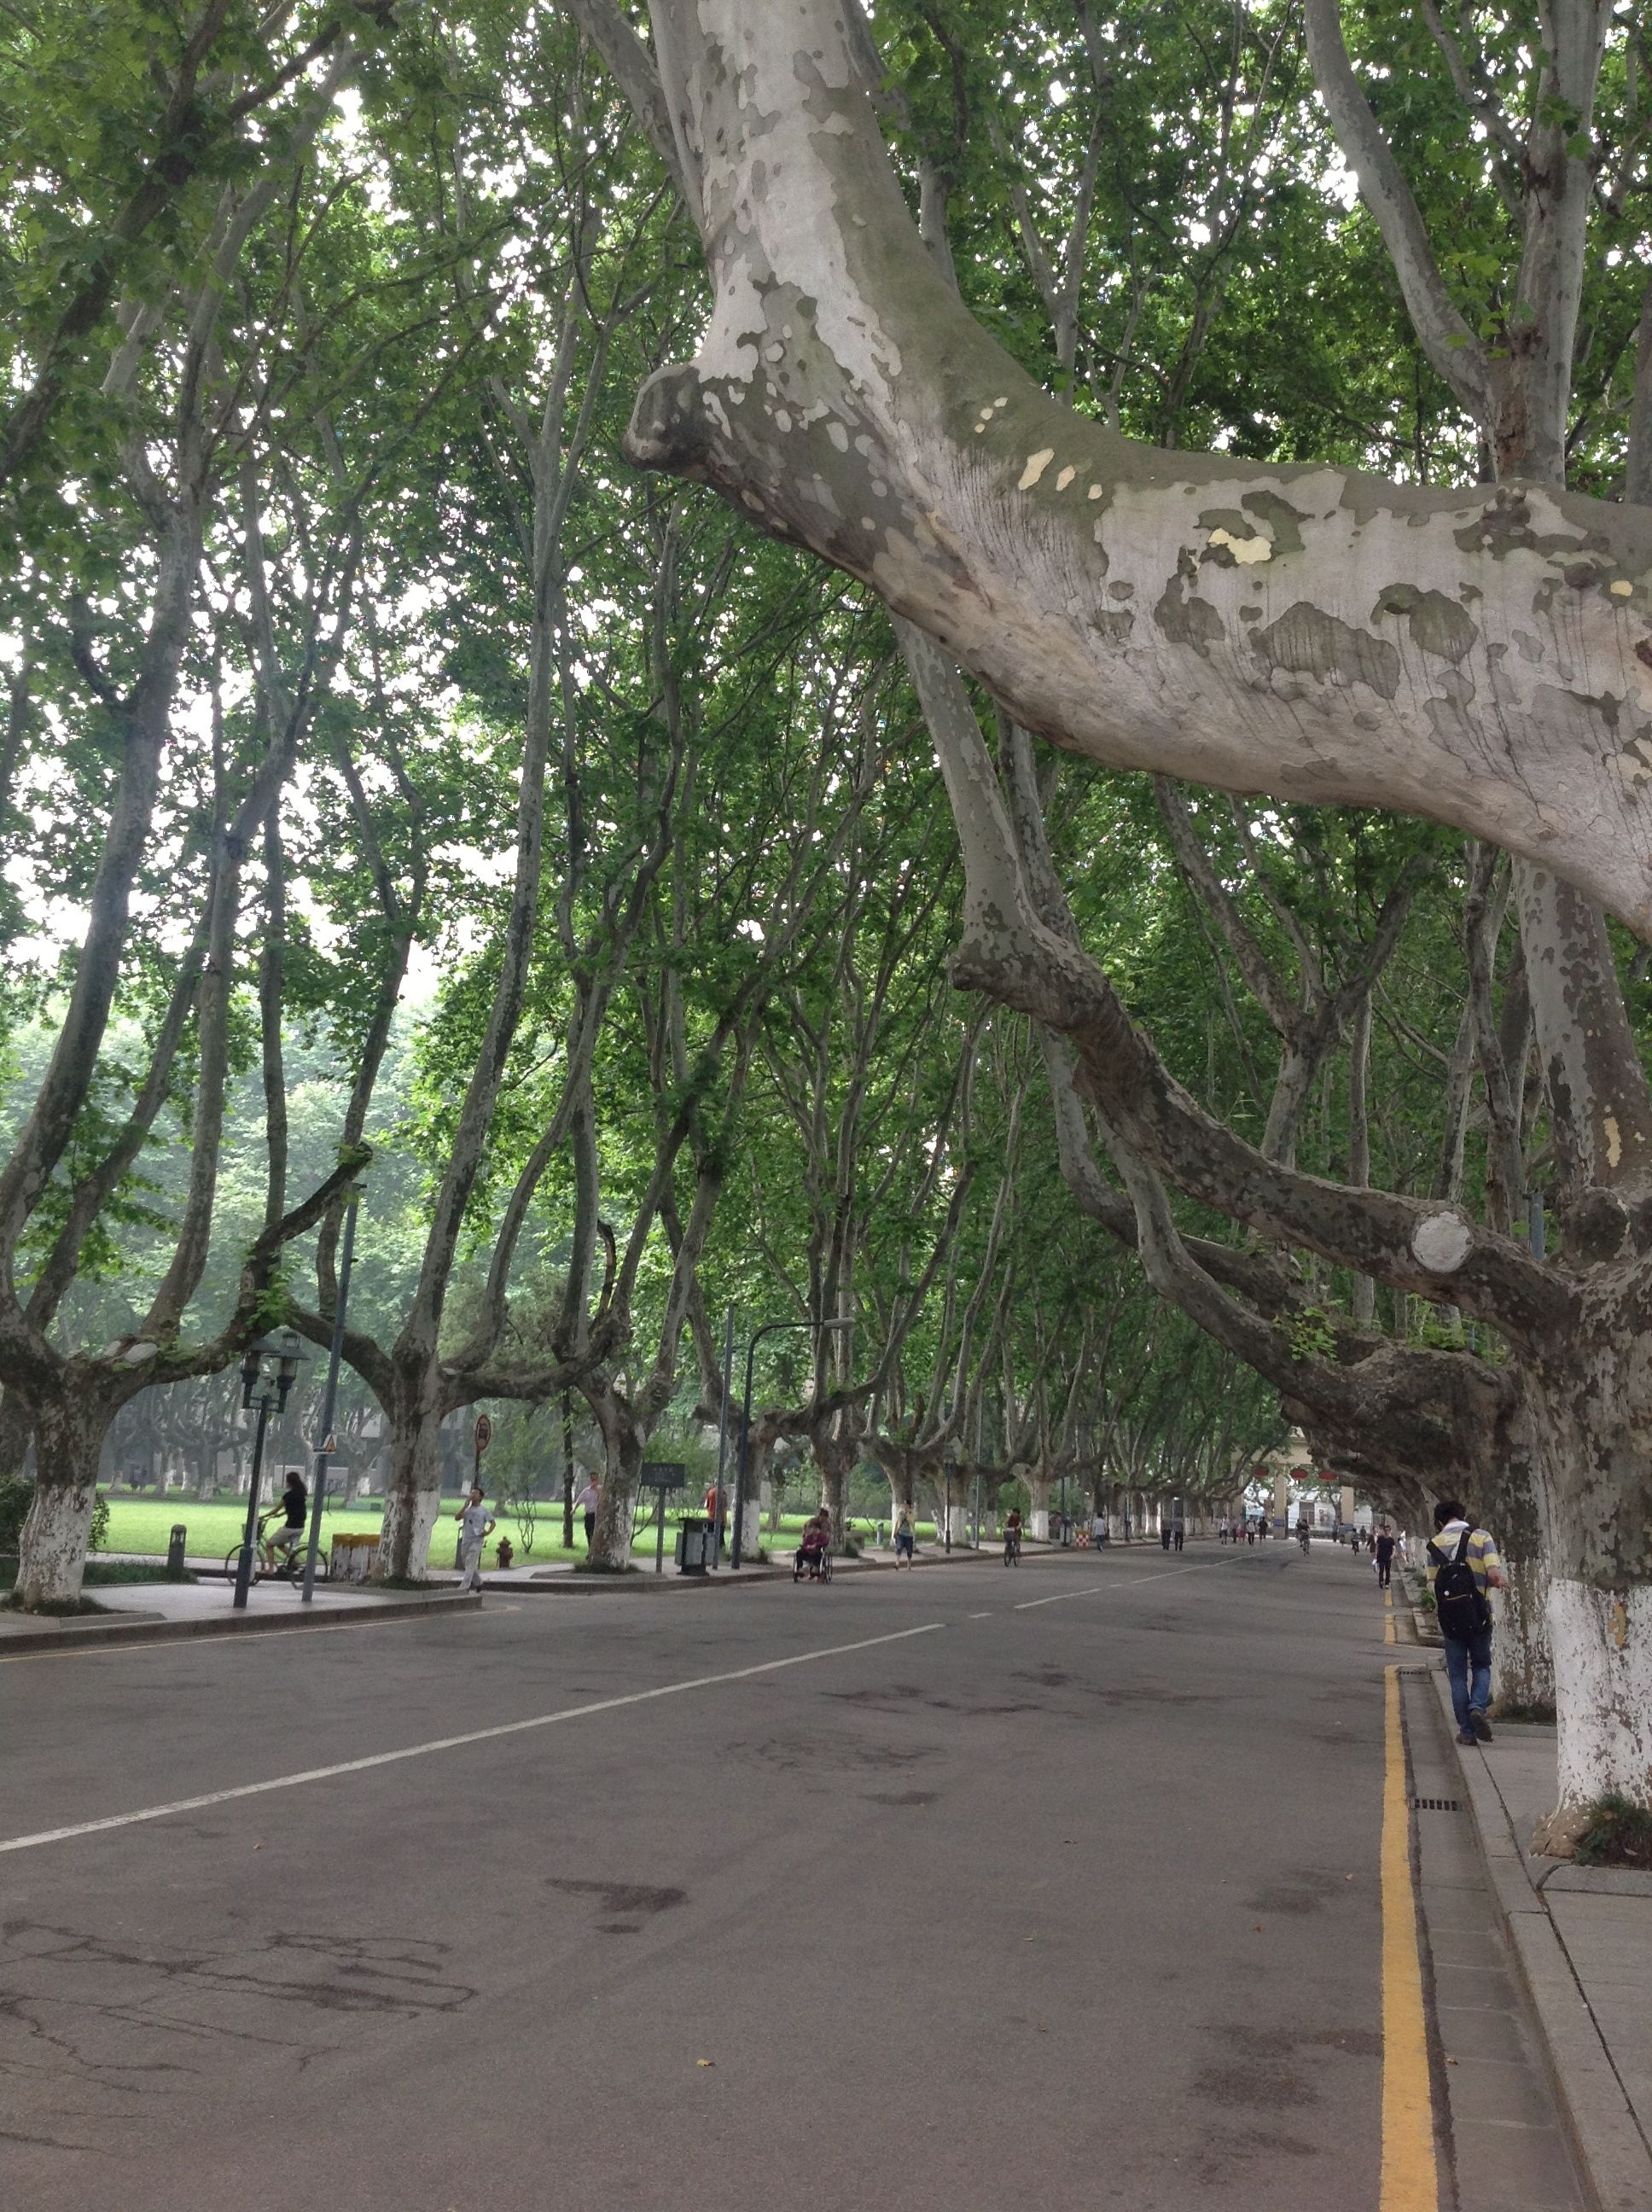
{"x": 1410, "y": 2182}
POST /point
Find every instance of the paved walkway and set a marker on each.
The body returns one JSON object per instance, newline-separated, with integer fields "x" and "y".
{"x": 194, "y": 1607}
{"x": 1592, "y": 1977}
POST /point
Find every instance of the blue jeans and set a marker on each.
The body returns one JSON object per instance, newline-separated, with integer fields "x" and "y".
{"x": 1469, "y": 1693}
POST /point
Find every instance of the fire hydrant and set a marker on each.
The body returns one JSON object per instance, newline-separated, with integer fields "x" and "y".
{"x": 506, "y": 1552}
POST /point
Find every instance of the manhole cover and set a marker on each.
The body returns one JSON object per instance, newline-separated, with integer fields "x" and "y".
{"x": 1434, "y": 1805}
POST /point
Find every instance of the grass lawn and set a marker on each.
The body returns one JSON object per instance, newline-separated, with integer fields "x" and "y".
{"x": 141, "y": 1525}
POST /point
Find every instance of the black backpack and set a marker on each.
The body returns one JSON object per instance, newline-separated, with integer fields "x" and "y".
{"x": 1459, "y": 1604}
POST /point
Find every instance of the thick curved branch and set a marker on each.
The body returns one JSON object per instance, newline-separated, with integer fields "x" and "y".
{"x": 1309, "y": 631}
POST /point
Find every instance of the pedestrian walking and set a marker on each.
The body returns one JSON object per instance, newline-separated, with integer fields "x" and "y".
{"x": 1165, "y": 1535}
{"x": 1465, "y": 1567}
{"x": 1250, "y": 1530}
{"x": 1383, "y": 1560}
{"x": 906, "y": 1537}
{"x": 586, "y": 1503}
{"x": 1098, "y": 1529}
{"x": 1179, "y": 1534}
{"x": 475, "y": 1525}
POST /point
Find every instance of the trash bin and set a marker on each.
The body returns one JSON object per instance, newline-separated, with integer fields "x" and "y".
{"x": 693, "y": 1542}
{"x": 175, "y": 1553}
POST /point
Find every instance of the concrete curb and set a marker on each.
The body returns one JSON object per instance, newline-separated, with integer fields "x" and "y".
{"x": 150, "y": 1627}
{"x": 1608, "y": 2146}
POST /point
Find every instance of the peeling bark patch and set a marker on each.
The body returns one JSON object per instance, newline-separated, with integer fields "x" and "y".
{"x": 1504, "y": 526}
{"x": 1307, "y": 641}
{"x": 1437, "y": 624}
{"x": 1620, "y": 590}
{"x": 1281, "y": 519}
{"x": 1114, "y": 624}
{"x": 1186, "y": 619}
{"x": 1243, "y": 551}
{"x": 1036, "y": 465}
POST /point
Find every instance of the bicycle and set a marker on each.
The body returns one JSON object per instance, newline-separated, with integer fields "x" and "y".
{"x": 289, "y": 1568}
{"x": 1013, "y": 1547}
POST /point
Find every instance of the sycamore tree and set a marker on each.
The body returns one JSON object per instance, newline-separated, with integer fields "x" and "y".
{"x": 1478, "y": 653}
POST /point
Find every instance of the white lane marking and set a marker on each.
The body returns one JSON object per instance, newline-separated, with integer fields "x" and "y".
{"x": 980, "y": 1616}
{"x": 1090, "y": 1589}
{"x": 454, "y": 1742}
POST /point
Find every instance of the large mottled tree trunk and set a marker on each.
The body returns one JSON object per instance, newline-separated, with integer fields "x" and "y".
{"x": 1039, "y": 1485}
{"x": 1593, "y": 1413}
{"x": 624, "y": 1445}
{"x": 412, "y": 1494}
{"x": 835, "y": 1457}
{"x": 1513, "y": 1505}
{"x": 69, "y": 1427}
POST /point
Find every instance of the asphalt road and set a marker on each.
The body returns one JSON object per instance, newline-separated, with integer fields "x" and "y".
{"x": 1070, "y": 1899}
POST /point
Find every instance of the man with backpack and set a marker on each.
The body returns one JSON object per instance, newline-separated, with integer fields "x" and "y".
{"x": 1465, "y": 1567}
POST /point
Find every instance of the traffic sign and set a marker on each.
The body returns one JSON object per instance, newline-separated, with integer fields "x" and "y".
{"x": 484, "y": 1434}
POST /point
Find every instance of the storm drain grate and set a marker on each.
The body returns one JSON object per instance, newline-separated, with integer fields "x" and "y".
{"x": 1434, "y": 1805}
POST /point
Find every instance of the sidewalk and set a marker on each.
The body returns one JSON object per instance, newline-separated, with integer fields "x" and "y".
{"x": 1582, "y": 1937}
{"x": 135, "y": 1612}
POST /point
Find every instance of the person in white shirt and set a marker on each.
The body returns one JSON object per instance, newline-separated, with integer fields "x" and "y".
{"x": 476, "y": 1524}
{"x": 586, "y": 1503}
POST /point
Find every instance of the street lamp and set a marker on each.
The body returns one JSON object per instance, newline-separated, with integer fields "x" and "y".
{"x": 269, "y": 1371}
{"x": 768, "y": 1329}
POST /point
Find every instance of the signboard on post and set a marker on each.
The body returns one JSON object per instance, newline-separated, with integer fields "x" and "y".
{"x": 662, "y": 1475}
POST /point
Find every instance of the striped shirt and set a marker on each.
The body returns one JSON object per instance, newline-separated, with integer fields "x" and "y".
{"x": 1482, "y": 1550}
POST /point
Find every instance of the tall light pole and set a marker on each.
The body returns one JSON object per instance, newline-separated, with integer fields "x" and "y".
{"x": 768, "y": 1328}
{"x": 330, "y": 1398}
{"x": 722, "y": 1441}
{"x": 270, "y": 1369}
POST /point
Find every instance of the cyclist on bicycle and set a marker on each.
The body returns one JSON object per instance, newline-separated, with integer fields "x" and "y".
{"x": 1013, "y": 1534}
{"x": 1304, "y": 1531}
{"x": 295, "y": 1501}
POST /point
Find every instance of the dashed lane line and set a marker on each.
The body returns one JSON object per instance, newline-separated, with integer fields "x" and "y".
{"x": 1089, "y": 1589}
{"x": 454, "y": 1742}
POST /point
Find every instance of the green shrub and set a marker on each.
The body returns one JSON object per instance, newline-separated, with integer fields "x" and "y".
{"x": 98, "y": 1540}
{"x": 1618, "y": 1834}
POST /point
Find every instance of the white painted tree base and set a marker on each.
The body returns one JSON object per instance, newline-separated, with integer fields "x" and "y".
{"x": 418, "y": 1516}
{"x": 51, "y": 1549}
{"x": 1602, "y": 1646}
